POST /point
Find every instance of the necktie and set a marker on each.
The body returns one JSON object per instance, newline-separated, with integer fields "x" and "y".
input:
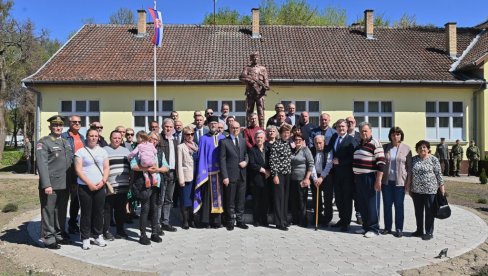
{"x": 338, "y": 142}
{"x": 236, "y": 142}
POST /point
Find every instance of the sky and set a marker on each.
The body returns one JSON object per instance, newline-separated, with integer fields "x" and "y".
{"x": 61, "y": 18}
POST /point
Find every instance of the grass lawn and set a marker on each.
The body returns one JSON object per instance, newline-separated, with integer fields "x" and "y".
{"x": 23, "y": 192}
{"x": 467, "y": 194}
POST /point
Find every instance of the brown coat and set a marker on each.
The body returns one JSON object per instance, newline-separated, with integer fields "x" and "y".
{"x": 403, "y": 165}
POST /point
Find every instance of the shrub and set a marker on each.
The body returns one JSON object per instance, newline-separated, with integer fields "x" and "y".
{"x": 483, "y": 177}
{"x": 11, "y": 158}
{"x": 10, "y": 207}
{"x": 482, "y": 200}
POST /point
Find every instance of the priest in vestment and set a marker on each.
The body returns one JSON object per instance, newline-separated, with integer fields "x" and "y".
{"x": 207, "y": 203}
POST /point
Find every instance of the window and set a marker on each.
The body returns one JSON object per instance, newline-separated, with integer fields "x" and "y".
{"x": 312, "y": 107}
{"x": 144, "y": 112}
{"x": 379, "y": 114}
{"x": 444, "y": 120}
{"x": 237, "y": 108}
{"x": 89, "y": 111}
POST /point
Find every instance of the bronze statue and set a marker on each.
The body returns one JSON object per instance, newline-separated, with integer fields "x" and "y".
{"x": 255, "y": 77}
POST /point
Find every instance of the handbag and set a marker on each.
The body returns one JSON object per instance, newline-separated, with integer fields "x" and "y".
{"x": 441, "y": 206}
{"x": 109, "y": 189}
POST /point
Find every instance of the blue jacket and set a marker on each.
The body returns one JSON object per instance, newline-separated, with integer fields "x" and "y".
{"x": 71, "y": 140}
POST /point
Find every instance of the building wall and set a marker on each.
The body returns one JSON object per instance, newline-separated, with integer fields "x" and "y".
{"x": 408, "y": 103}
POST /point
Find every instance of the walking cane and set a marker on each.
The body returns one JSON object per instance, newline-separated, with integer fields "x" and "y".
{"x": 317, "y": 194}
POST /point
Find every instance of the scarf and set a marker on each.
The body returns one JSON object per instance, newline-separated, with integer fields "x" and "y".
{"x": 192, "y": 147}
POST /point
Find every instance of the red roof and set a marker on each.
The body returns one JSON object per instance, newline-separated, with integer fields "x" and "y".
{"x": 113, "y": 53}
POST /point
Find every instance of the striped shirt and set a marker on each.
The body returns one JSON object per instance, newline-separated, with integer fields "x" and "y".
{"x": 368, "y": 157}
{"x": 119, "y": 168}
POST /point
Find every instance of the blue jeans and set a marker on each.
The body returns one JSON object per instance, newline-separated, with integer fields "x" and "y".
{"x": 393, "y": 195}
{"x": 368, "y": 201}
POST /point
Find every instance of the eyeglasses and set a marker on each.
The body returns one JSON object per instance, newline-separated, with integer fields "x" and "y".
{"x": 154, "y": 127}
{"x": 99, "y": 127}
{"x": 236, "y": 128}
{"x": 129, "y": 134}
{"x": 189, "y": 134}
{"x": 75, "y": 122}
{"x": 57, "y": 125}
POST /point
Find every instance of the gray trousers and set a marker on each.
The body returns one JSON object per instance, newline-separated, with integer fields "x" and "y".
{"x": 167, "y": 189}
{"x": 53, "y": 215}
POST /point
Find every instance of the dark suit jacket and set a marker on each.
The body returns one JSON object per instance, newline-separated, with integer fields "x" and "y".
{"x": 196, "y": 139}
{"x": 256, "y": 162}
{"x": 345, "y": 154}
{"x": 230, "y": 157}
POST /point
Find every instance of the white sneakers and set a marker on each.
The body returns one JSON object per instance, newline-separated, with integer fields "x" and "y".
{"x": 370, "y": 234}
{"x": 86, "y": 244}
{"x": 100, "y": 241}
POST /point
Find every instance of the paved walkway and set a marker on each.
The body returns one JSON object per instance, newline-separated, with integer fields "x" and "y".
{"x": 267, "y": 251}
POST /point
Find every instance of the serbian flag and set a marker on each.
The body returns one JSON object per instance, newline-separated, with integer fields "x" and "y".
{"x": 158, "y": 27}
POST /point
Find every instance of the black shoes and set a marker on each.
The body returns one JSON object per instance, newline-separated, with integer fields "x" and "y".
{"x": 121, "y": 235}
{"x": 427, "y": 237}
{"x": 156, "y": 238}
{"x": 167, "y": 227}
{"x": 144, "y": 240}
{"x": 54, "y": 246}
{"x": 242, "y": 225}
{"x": 417, "y": 234}
{"x": 230, "y": 227}
{"x": 344, "y": 228}
{"x": 398, "y": 234}
{"x": 108, "y": 236}
{"x": 282, "y": 228}
{"x": 62, "y": 241}
{"x": 386, "y": 232}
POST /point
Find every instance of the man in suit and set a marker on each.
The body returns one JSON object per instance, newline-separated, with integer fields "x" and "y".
{"x": 342, "y": 147}
{"x": 54, "y": 159}
{"x": 200, "y": 128}
{"x": 233, "y": 162}
{"x": 273, "y": 120}
{"x": 322, "y": 180}
{"x": 168, "y": 146}
{"x": 178, "y": 131}
{"x": 351, "y": 130}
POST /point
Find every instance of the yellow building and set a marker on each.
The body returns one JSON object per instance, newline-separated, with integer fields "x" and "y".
{"x": 429, "y": 81}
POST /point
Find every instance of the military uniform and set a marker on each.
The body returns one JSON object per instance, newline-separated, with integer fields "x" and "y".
{"x": 457, "y": 157}
{"x": 473, "y": 154}
{"x": 54, "y": 158}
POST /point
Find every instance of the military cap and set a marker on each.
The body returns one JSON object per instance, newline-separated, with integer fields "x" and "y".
{"x": 213, "y": 119}
{"x": 56, "y": 119}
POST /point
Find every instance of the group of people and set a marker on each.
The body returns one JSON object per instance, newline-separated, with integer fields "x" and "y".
{"x": 209, "y": 167}
{"x": 456, "y": 155}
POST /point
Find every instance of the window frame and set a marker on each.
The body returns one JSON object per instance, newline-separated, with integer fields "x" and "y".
{"x": 366, "y": 114}
{"x": 240, "y": 115}
{"x": 86, "y": 115}
{"x": 450, "y": 114}
{"x": 314, "y": 116}
{"x": 148, "y": 114}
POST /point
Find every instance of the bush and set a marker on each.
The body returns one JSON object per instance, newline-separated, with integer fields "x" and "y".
{"x": 482, "y": 200}
{"x": 483, "y": 177}
{"x": 11, "y": 158}
{"x": 10, "y": 207}
{"x": 483, "y": 271}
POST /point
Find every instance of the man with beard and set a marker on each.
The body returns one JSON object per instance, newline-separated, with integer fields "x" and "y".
{"x": 207, "y": 204}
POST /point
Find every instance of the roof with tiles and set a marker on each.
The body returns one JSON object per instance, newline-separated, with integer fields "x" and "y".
{"x": 478, "y": 50}
{"x": 113, "y": 53}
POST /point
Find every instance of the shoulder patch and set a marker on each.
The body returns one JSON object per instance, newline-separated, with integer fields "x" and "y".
{"x": 39, "y": 146}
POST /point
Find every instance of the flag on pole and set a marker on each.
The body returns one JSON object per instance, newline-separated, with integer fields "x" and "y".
{"x": 158, "y": 27}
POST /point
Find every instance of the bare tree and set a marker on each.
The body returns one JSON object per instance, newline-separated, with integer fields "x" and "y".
{"x": 122, "y": 16}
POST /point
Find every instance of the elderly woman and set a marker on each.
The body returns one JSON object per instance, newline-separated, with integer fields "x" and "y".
{"x": 150, "y": 197}
{"x": 302, "y": 164}
{"x": 92, "y": 167}
{"x": 271, "y": 134}
{"x": 258, "y": 173}
{"x": 280, "y": 164}
{"x": 426, "y": 180}
{"x": 119, "y": 179}
{"x": 397, "y": 177}
{"x": 187, "y": 154}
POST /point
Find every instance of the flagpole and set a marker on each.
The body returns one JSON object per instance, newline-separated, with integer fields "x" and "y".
{"x": 214, "y": 11}
{"x": 155, "y": 89}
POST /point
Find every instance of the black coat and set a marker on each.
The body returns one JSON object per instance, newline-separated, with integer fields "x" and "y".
{"x": 230, "y": 157}
{"x": 256, "y": 162}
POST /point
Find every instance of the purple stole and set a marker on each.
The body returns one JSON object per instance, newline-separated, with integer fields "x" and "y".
{"x": 208, "y": 170}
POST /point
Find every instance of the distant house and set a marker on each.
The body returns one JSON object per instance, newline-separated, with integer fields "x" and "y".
{"x": 429, "y": 81}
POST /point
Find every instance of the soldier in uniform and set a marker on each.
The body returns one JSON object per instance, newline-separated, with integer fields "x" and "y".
{"x": 473, "y": 154}
{"x": 457, "y": 157}
{"x": 54, "y": 158}
{"x": 255, "y": 77}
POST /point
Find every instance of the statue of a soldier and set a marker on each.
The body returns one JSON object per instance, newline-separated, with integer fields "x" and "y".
{"x": 255, "y": 77}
